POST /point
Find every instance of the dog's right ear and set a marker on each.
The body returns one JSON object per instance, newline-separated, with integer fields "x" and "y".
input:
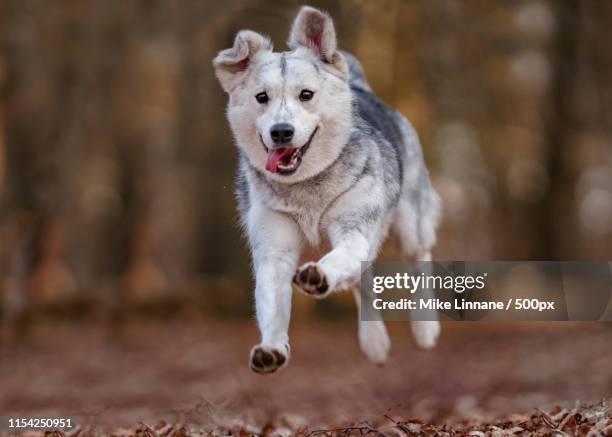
{"x": 232, "y": 64}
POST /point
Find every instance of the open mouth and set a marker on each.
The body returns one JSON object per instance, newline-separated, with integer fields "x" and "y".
{"x": 286, "y": 160}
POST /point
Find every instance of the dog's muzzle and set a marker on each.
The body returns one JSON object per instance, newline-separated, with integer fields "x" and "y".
{"x": 286, "y": 160}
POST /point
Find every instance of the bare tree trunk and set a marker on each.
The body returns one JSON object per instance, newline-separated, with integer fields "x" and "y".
{"x": 555, "y": 213}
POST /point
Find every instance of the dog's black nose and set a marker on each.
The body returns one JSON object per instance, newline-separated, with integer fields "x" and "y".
{"x": 281, "y": 133}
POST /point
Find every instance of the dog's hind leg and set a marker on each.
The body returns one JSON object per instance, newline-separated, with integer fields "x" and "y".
{"x": 276, "y": 242}
{"x": 416, "y": 222}
{"x": 426, "y": 332}
{"x": 373, "y": 338}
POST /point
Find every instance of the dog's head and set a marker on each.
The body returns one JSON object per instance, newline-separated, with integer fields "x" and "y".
{"x": 290, "y": 112}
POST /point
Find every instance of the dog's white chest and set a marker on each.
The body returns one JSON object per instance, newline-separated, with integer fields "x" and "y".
{"x": 309, "y": 223}
{"x": 306, "y": 210}
{"x": 307, "y": 202}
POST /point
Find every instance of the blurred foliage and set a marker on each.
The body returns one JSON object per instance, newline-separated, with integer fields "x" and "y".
{"x": 117, "y": 164}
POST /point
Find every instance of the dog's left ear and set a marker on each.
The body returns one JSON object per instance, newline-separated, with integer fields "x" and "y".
{"x": 314, "y": 29}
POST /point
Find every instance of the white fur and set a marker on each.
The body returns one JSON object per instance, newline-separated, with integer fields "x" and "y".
{"x": 373, "y": 338}
{"x": 276, "y": 242}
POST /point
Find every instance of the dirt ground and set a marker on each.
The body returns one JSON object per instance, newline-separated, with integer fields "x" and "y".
{"x": 196, "y": 374}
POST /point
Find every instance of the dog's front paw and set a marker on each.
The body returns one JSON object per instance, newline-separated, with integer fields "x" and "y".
{"x": 426, "y": 333}
{"x": 311, "y": 280}
{"x": 267, "y": 359}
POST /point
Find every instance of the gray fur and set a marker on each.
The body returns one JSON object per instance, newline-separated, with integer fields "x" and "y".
{"x": 283, "y": 65}
{"x": 357, "y": 77}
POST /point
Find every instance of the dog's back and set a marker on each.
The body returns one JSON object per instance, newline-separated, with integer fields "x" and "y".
{"x": 420, "y": 205}
{"x": 376, "y": 114}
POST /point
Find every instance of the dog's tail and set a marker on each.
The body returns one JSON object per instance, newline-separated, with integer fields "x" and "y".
{"x": 356, "y": 75}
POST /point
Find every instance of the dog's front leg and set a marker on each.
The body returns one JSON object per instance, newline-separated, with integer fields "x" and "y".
{"x": 275, "y": 241}
{"x": 341, "y": 266}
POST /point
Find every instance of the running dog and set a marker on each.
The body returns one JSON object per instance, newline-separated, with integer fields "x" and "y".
{"x": 321, "y": 158}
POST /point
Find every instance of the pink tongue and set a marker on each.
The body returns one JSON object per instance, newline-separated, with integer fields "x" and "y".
{"x": 275, "y": 156}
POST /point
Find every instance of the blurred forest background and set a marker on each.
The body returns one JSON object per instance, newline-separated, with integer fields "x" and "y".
{"x": 117, "y": 163}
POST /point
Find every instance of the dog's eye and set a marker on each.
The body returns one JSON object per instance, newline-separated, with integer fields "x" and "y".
{"x": 262, "y": 98}
{"x": 306, "y": 95}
